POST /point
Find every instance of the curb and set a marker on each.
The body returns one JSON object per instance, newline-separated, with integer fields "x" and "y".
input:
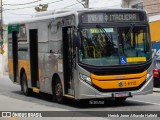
{"x": 156, "y": 89}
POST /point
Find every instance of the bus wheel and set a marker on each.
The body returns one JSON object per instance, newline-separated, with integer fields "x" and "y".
{"x": 24, "y": 85}
{"x": 59, "y": 91}
{"x": 122, "y": 99}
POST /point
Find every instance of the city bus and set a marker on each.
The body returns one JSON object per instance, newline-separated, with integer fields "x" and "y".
{"x": 82, "y": 54}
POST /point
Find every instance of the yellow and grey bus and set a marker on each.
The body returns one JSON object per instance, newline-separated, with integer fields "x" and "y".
{"x": 82, "y": 54}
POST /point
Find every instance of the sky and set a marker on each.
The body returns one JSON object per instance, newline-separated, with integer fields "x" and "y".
{"x": 23, "y": 9}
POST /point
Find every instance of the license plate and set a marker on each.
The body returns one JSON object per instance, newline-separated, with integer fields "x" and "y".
{"x": 121, "y": 94}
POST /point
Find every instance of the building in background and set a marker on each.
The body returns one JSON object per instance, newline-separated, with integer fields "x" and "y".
{"x": 138, "y": 4}
{"x": 1, "y": 56}
{"x": 4, "y": 56}
{"x": 5, "y": 44}
{"x": 151, "y": 6}
{"x": 0, "y": 21}
{"x": 153, "y": 9}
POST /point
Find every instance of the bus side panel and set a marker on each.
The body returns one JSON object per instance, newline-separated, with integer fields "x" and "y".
{"x": 54, "y": 61}
{"x": 43, "y": 51}
{"x": 49, "y": 47}
{"x": 23, "y": 53}
{"x": 55, "y": 45}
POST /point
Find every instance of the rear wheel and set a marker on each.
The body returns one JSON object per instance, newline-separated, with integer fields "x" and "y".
{"x": 24, "y": 85}
{"x": 58, "y": 91}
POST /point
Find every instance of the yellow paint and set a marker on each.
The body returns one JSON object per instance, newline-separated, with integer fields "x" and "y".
{"x": 55, "y": 67}
{"x": 140, "y": 37}
{"x": 10, "y": 67}
{"x": 36, "y": 90}
{"x": 14, "y": 118}
{"x": 26, "y": 65}
{"x": 112, "y": 81}
{"x": 69, "y": 96}
{"x": 115, "y": 83}
{"x": 118, "y": 77}
{"x": 155, "y": 30}
{"x": 22, "y": 64}
{"x": 2, "y": 51}
{"x": 94, "y": 30}
{"x": 136, "y": 59}
{"x": 39, "y": 73}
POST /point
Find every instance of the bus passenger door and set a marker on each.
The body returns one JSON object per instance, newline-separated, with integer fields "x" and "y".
{"x": 33, "y": 43}
{"x": 15, "y": 54}
{"x": 68, "y": 60}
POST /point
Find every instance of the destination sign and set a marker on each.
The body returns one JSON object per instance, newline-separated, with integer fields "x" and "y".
{"x": 122, "y": 17}
{"x": 112, "y": 17}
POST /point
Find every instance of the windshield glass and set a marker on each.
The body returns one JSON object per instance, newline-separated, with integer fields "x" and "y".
{"x": 114, "y": 45}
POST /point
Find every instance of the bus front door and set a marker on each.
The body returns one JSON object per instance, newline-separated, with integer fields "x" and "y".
{"x": 68, "y": 60}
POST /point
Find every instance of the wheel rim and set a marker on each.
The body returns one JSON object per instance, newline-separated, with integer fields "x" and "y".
{"x": 58, "y": 91}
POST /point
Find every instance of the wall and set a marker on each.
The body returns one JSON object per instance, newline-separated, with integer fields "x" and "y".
{"x": 129, "y": 3}
{"x": 152, "y": 7}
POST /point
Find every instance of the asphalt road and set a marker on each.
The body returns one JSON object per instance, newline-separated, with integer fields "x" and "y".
{"x": 12, "y": 99}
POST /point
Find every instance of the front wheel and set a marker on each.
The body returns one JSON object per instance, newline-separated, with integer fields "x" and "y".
{"x": 24, "y": 85}
{"x": 58, "y": 91}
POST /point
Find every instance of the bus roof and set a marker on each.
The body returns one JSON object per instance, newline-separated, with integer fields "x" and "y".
{"x": 33, "y": 19}
{"x": 154, "y": 18}
{"x": 62, "y": 13}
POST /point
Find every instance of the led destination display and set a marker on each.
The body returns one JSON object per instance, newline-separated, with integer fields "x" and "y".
{"x": 111, "y": 17}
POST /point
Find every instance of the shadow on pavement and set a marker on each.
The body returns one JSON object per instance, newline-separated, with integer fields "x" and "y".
{"x": 45, "y": 99}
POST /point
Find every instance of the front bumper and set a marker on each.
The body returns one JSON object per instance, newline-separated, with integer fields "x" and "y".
{"x": 86, "y": 91}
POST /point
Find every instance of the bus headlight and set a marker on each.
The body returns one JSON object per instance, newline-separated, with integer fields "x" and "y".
{"x": 85, "y": 78}
{"x": 149, "y": 74}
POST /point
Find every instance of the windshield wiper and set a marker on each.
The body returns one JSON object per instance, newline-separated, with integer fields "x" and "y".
{"x": 104, "y": 32}
{"x": 129, "y": 31}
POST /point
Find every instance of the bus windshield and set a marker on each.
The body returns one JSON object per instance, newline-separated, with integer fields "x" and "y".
{"x": 114, "y": 45}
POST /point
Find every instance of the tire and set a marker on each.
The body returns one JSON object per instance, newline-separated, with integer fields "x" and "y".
{"x": 24, "y": 85}
{"x": 58, "y": 91}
